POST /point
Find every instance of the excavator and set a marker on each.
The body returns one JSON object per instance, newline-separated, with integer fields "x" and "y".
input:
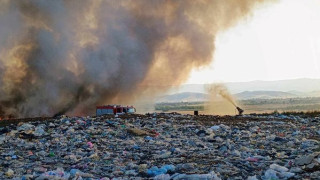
{"x": 240, "y": 111}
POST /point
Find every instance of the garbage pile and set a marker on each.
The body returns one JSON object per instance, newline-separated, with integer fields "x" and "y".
{"x": 162, "y": 146}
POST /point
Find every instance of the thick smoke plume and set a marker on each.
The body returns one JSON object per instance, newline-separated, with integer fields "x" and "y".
{"x": 66, "y": 56}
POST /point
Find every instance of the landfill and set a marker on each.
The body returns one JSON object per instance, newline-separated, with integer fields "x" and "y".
{"x": 162, "y": 146}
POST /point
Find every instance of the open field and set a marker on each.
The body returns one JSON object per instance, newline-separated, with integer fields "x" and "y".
{"x": 250, "y": 106}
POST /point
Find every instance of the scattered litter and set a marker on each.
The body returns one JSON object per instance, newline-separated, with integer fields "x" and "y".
{"x": 162, "y": 147}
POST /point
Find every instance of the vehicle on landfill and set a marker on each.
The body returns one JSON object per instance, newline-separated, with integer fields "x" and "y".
{"x": 114, "y": 109}
{"x": 240, "y": 111}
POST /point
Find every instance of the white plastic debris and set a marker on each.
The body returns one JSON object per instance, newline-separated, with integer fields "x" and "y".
{"x": 215, "y": 128}
{"x": 270, "y": 174}
{"x": 252, "y": 177}
{"x": 278, "y": 168}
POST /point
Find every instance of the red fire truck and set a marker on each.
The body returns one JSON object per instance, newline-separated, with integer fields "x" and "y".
{"x": 114, "y": 109}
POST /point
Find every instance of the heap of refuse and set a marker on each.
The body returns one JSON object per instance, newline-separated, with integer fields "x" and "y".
{"x": 162, "y": 146}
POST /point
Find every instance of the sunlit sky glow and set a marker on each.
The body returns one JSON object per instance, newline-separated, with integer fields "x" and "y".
{"x": 279, "y": 41}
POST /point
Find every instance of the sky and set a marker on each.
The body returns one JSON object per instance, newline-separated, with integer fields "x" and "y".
{"x": 277, "y": 41}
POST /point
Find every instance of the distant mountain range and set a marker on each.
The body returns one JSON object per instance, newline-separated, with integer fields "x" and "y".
{"x": 293, "y": 86}
{"x": 184, "y": 97}
{"x": 196, "y": 97}
{"x": 264, "y": 95}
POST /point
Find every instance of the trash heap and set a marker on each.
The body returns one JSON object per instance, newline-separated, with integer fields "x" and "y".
{"x": 162, "y": 146}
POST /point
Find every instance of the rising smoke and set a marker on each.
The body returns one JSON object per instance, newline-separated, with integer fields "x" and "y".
{"x": 221, "y": 100}
{"x": 221, "y": 90}
{"x": 66, "y": 56}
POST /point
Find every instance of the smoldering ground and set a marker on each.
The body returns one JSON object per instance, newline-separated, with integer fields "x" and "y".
{"x": 66, "y": 56}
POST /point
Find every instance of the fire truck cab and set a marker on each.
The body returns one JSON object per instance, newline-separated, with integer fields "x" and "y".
{"x": 114, "y": 109}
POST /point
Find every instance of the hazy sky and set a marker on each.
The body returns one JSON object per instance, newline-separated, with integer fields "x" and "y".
{"x": 279, "y": 41}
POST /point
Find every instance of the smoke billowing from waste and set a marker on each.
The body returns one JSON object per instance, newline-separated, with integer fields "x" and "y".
{"x": 66, "y": 56}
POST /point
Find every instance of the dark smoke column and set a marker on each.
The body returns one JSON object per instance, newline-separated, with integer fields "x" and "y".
{"x": 68, "y": 56}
